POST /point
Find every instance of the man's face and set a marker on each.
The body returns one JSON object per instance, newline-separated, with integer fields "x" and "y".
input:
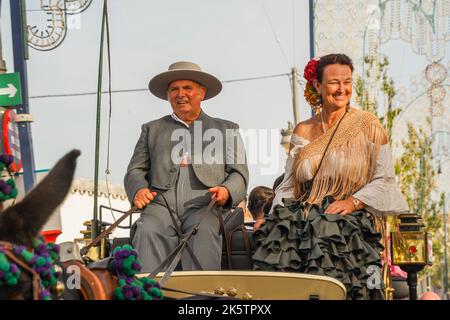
{"x": 185, "y": 97}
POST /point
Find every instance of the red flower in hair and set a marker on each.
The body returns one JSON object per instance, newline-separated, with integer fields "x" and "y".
{"x": 310, "y": 73}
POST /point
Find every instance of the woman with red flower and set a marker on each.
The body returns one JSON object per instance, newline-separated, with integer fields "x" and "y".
{"x": 339, "y": 181}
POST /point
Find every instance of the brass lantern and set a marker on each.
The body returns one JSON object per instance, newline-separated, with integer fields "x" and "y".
{"x": 410, "y": 249}
{"x": 409, "y": 245}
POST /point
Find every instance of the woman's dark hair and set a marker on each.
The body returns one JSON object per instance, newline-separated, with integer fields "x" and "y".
{"x": 260, "y": 198}
{"x": 334, "y": 58}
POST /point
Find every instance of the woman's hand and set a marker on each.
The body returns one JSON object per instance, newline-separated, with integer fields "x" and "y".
{"x": 342, "y": 207}
{"x": 259, "y": 222}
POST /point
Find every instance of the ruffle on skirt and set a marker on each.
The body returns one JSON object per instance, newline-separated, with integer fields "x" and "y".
{"x": 342, "y": 247}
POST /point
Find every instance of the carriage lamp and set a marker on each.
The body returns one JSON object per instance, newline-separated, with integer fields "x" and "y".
{"x": 410, "y": 248}
{"x": 94, "y": 253}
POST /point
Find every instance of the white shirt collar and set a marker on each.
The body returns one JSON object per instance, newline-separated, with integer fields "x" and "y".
{"x": 175, "y": 117}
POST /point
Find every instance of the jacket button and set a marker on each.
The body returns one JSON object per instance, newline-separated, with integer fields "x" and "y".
{"x": 173, "y": 170}
{"x": 167, "y": 185}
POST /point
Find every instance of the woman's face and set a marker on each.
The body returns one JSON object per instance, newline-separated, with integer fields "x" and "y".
{"x": 336, "y": 86}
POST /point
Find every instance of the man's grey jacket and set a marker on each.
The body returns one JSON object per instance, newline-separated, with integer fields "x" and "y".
{"x": 216, "y": 151}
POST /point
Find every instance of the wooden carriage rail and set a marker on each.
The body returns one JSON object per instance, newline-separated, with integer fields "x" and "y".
{"x": 259, "y": 285}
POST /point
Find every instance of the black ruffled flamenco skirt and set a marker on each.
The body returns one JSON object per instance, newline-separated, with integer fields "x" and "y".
{"x": 342, "y": 247}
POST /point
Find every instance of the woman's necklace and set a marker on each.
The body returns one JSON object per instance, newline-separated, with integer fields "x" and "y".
{"x": 321, "y": 118}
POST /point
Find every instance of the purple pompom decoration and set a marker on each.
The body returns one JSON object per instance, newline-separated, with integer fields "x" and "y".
{"x": 7, "y": 189}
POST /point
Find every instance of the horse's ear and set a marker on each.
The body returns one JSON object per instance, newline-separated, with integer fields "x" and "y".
{"x": 23, "y": 221}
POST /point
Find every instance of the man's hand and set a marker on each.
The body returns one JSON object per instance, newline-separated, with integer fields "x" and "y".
{"x": 342, "y": 207}
{"x": 220, "y": 194}
{"x": 143, "y": 197}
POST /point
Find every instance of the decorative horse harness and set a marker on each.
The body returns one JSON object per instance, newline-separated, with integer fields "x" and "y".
{"x": 39, "y": 263}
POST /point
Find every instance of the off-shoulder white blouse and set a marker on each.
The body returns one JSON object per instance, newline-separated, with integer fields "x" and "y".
{"x": 381, "y": 196}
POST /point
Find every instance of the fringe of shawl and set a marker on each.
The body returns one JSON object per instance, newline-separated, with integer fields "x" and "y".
{"x": 348, "y": 164}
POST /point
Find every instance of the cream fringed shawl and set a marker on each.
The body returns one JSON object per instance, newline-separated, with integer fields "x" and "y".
{"x": 348, "y": 164}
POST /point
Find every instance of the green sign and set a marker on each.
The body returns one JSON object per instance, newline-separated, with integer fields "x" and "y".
{"x": 10, "y": 90}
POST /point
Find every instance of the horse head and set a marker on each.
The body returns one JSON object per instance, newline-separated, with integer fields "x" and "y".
{"x": 21, "y": 223}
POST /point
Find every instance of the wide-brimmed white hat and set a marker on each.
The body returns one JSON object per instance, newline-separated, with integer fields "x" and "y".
{"x": 184, "y": 70}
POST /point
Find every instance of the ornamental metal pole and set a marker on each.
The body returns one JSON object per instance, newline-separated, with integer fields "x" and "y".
{"x": 2, "y": 62}
{"x": 17, "y": 8}
{"x": 445, "y": 249}
{"x": 312, "y": 51}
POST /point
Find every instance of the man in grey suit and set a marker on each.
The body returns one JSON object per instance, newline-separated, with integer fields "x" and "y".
{"x": 190, "y": 158}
